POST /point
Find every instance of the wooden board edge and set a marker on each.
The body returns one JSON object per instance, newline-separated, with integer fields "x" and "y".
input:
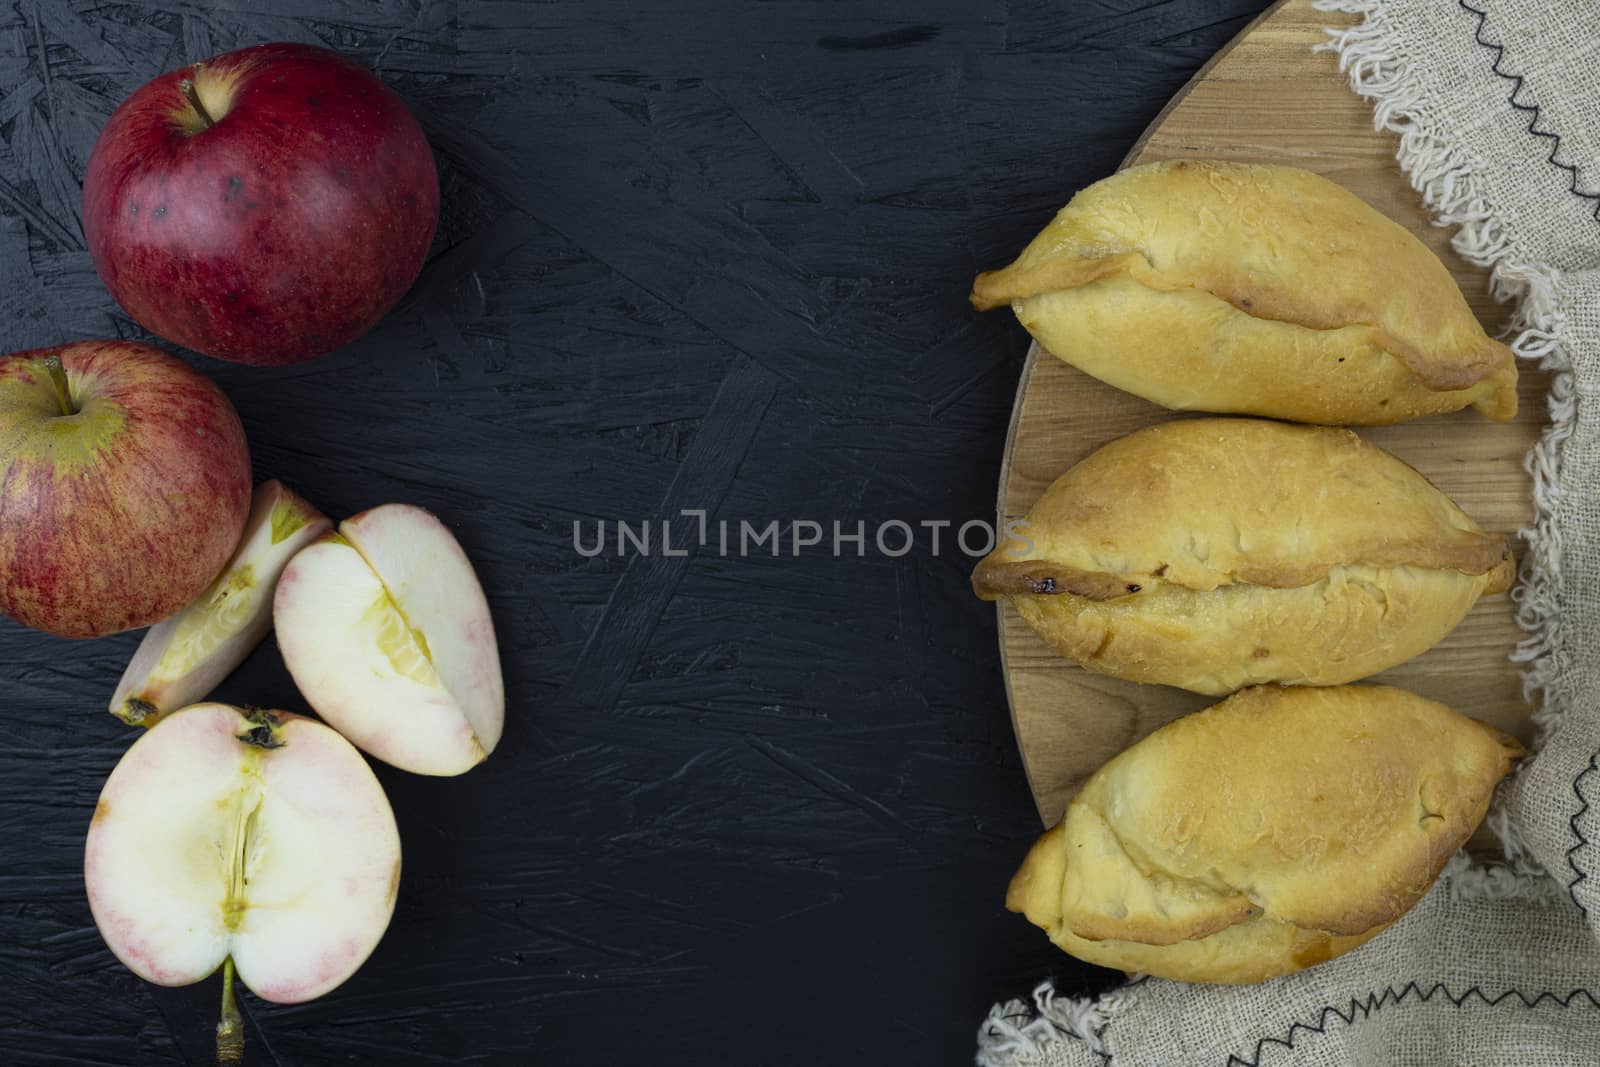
{"x": 1029, "y": 361}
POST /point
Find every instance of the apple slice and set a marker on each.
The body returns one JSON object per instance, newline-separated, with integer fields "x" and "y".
{"x": 182, "y": 659}
{"x": 256, "y": 840}
{"x": 388, "y": 636}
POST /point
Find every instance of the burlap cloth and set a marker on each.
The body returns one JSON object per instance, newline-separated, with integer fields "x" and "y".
{"x": 1497, "y": 106}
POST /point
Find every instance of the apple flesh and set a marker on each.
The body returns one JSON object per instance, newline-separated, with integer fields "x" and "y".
{"x": 388, "y": 636}
{"x": 264, "y": 206}
{"x": 184, "y": 658}
{"x": 258, "y": 839}
{"x": 124, "y": 485}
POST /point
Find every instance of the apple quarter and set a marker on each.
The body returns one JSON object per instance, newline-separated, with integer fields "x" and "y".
{"x": 183, "y": 658}
{"x": 387, "y": 634}
{"x": 257, "y": 835}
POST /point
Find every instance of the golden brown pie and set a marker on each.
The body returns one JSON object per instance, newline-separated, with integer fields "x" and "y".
{"x": 1256, "y": 290}
{"x": 1267, "y": 833}
{"x": 1212, "y": 554}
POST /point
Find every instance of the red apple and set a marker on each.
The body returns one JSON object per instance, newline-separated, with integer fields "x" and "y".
{"x": 265, "y": 206}
{"x": 124, "y": 486}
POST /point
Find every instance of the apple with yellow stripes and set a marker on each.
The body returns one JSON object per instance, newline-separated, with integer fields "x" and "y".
{"x": 124, "y": 485}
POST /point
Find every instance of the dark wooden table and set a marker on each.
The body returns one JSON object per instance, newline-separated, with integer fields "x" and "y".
{"x": 694, "y": 254}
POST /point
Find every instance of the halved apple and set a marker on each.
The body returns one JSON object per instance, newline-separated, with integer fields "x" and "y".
{"x": 388, "y": 636}
{"x": 248, "y": 839}
{"x": 181, "y": 660}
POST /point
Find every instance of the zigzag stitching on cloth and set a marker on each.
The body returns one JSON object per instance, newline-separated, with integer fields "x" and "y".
{"x": 1517, "y": 82}
{"x": 1100, "y": 1039}
{"x": 1583, "y": 806}
{"x": 1532, "y": 109}
{"x": 1388, "y": 997}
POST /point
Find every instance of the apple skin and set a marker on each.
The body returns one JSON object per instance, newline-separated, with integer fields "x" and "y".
{"x": 283, "y": 231}
{"x": 117, "y": 516}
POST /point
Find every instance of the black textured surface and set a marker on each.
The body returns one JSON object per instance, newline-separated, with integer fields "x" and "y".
{"x": 693, "y": 254}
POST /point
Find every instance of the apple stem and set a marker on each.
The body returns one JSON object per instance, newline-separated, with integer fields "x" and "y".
{"x": 63, "y": 387}
{"x": 186, "y": 87}
{"x": 230, "y": 1029}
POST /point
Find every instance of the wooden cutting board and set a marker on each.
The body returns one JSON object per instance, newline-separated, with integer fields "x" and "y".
{"x": 1266, "y": 98}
